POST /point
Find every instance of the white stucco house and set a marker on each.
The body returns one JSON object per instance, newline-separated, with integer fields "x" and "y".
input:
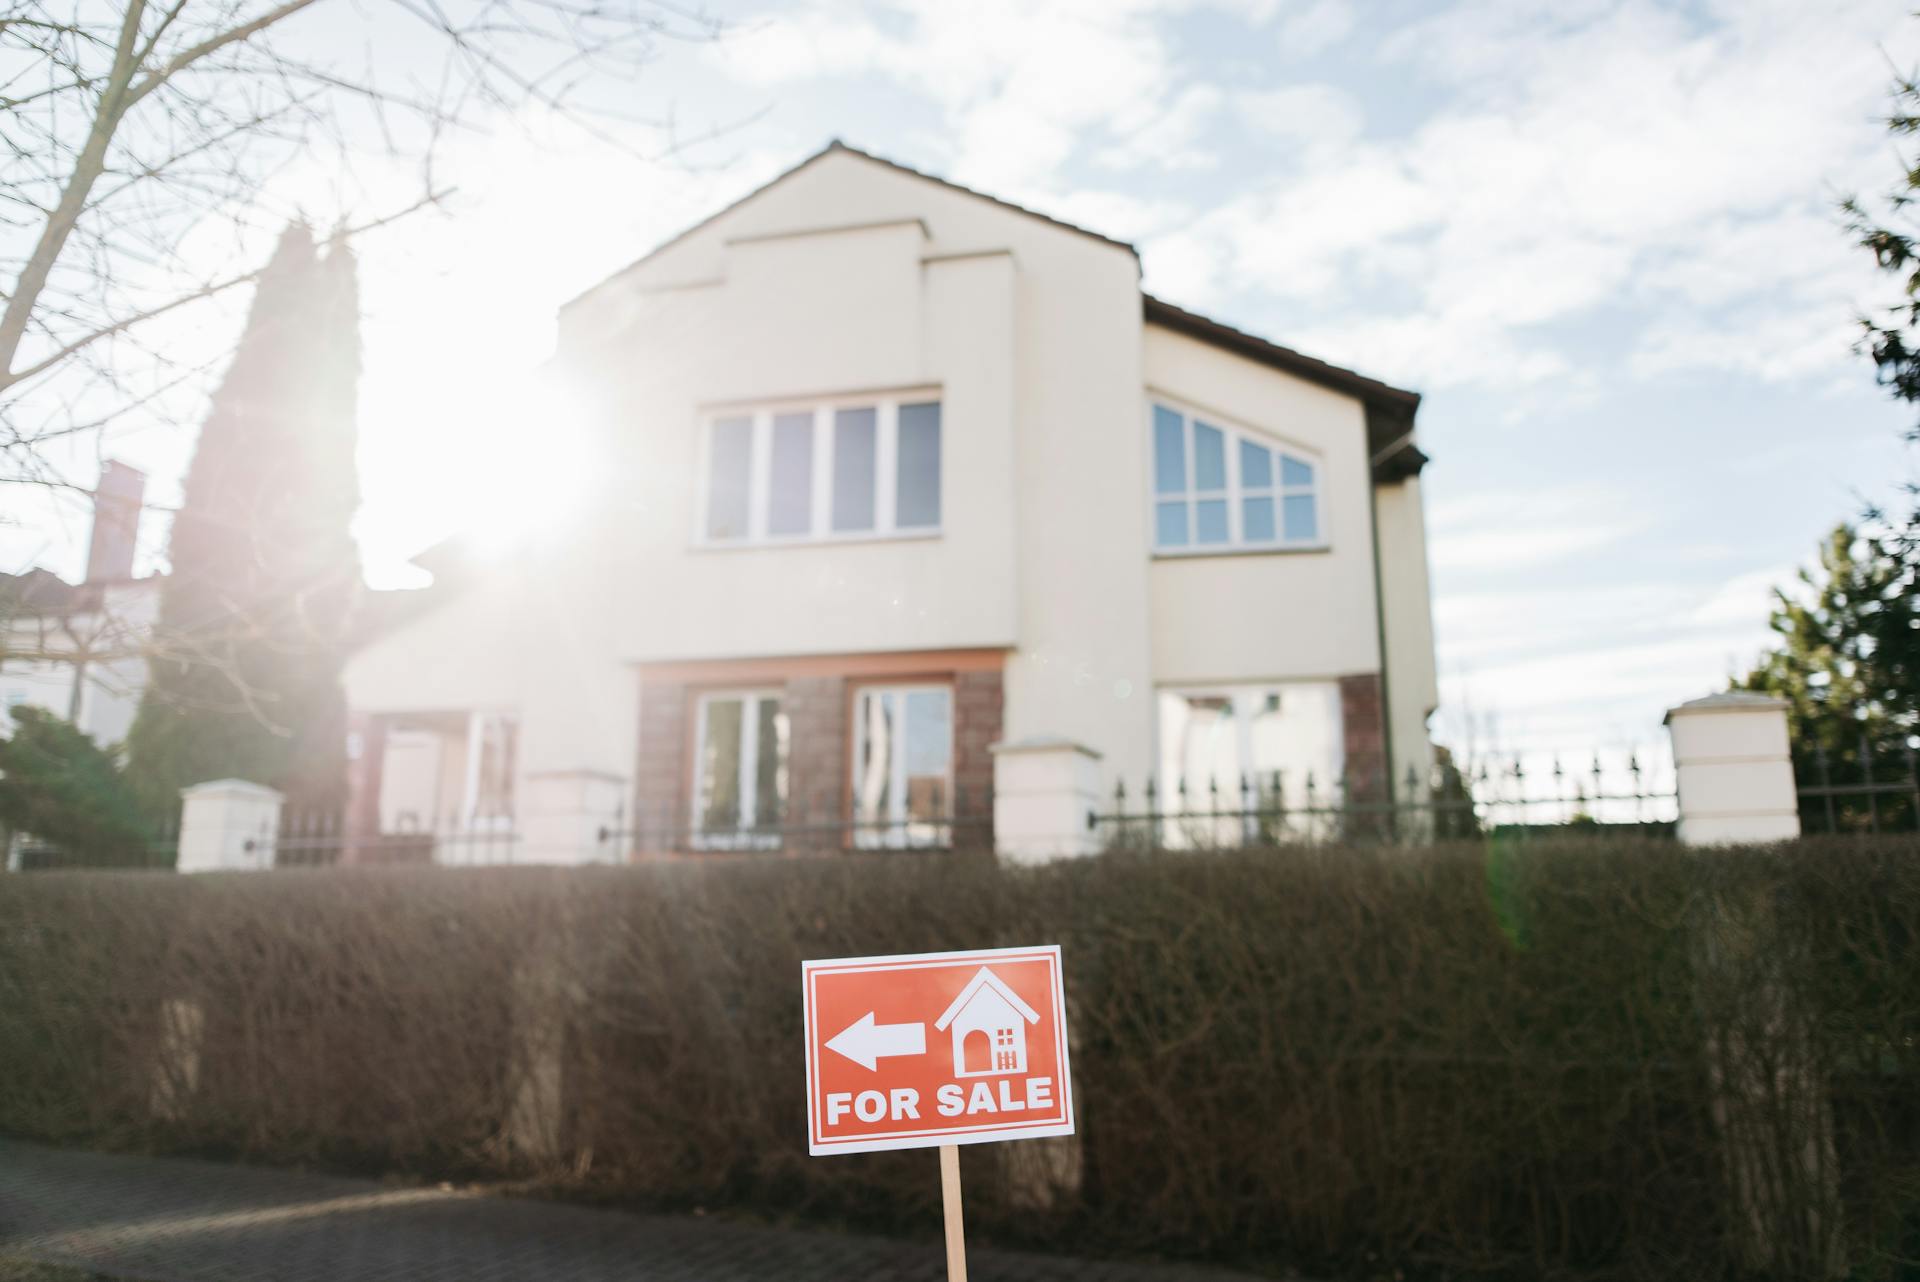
{"x": 890, "y": 472}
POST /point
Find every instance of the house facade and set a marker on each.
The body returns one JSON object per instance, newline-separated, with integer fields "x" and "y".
{"x": 78, "y": 650}
{"x": 889, "y": 473}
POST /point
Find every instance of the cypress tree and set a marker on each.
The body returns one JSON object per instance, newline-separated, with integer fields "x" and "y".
{"x": 254, "y": 614}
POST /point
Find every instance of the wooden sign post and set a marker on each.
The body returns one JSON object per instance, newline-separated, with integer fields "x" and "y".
{"x": 931, "y": 1050}
{"x": 950, "y": 1207}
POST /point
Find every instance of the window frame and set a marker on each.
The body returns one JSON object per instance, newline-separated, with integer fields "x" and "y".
{"x": 742, "y": 836}
{"x": 1238, "y": 696}
{"x": 1235, "y": 492}
{"x": 479, "y": 724}
{"x": 886, "y": 455}
{"x": 889, "y": 833}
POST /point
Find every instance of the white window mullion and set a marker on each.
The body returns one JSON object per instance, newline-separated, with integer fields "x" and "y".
{"x": 1193, "y": 482}
{"x": 820, "y": 518}
{"x": 1230, "y": 443}
{"x": 897, "y": 767}
{"x": 749, "y": 760}
{"x": 886, "y": 455}
{"x": 476, "y": 732}
{"x": 759, "y": 476}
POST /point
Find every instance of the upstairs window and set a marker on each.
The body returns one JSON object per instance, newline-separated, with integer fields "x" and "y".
{"x": 1216, "y": 489}
{"x": 848, "y": 470}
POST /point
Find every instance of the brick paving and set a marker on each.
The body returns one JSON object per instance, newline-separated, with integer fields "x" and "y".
{"x": 168, "y": 1220}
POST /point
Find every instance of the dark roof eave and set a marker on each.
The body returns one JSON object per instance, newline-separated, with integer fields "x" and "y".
{"x": 1160, "y": 312}
{"x": 1390, "y": 409}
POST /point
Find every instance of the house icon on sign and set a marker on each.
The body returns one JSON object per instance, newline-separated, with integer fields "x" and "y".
{"x": 989, "y": 1027}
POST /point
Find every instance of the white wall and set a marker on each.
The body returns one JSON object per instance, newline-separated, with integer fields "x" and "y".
{"x": 781, "y": 331}
{"x": 1268, "y": 615}
{"x": 1413, "y": 686}
{"x": 529, "y": 638}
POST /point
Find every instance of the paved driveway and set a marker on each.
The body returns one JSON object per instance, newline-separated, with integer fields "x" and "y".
{"x": 167, "y": 1220}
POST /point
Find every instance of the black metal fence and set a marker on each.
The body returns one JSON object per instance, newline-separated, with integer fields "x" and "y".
{"x": 1512, "y": 794}
{"x": 318, "y": 840}
{"x": 941, "y": 821}
{"x": 1868, "y": 786}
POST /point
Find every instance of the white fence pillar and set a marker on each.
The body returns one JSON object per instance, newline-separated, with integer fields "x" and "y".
{"x": 228, "y": 825}
{"x": 564, "y": 813}
{"x": 1734, "y": 768}
{"x": 1045, "y": 795}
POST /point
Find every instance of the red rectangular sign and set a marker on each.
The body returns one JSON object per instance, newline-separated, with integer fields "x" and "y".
{"x": 936, "y": 1048}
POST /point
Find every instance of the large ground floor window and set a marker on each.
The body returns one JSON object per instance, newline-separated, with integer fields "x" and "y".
{"x": 1229, "y": 750}
{"x": 903, "y": 766}
{"x": 740, "y": 770}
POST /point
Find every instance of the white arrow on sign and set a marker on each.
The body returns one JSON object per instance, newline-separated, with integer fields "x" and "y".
{"x": 866, "y": 1043}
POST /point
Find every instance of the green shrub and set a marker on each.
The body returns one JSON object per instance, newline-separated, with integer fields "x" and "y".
{"x": 1502, "y": 1060}
{"x": 66, "y": 790}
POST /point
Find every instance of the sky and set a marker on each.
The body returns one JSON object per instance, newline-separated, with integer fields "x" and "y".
{"x": 1601, "y": 239}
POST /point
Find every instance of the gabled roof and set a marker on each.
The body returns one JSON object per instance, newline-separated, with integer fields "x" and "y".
{"x": 838, "y": 146}
{"x": 42, "y": 592}
{"x": 1390, "y": 409}
{"x": 986, "y": 979}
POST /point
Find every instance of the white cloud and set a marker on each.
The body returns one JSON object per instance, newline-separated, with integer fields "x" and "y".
{"x": 1165, "y": 136}
{"x": 1313, "y": 114}
{"x": 1505, "y": 531}
{"x": 1316, "y": 27}
{"x": 1025, "y": 85}
{"x": 1583, "y": 156}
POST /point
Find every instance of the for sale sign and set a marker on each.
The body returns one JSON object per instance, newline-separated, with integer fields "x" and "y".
{"x": 936, "y": 1048}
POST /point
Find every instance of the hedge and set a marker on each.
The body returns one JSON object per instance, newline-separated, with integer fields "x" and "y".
{"x": 1597, "y": 1059}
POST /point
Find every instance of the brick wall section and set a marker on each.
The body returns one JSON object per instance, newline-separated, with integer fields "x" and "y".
{"x": 977, "y": 702}
{"x": 1364, "y": 726}
{"x": 817, "y": 754}
{"x": 661, "y": 777}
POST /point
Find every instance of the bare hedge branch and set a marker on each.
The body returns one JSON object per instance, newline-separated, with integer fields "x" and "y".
{"x": 1598, "y": 1059}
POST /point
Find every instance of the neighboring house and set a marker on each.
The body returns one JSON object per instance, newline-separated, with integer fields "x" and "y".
{"x": 889, "y": 472}
{"x": 75, "y": 649}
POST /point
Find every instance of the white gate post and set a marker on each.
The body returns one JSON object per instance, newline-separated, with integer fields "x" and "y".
{"x": 565, "y": 812}
{"x": 228, "y": 825}
{"x": 1045, "y": 795}
{"x": 1734, "y": 769}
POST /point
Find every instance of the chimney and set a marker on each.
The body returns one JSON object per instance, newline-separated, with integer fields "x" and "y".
{"x": 116, "y": 522}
